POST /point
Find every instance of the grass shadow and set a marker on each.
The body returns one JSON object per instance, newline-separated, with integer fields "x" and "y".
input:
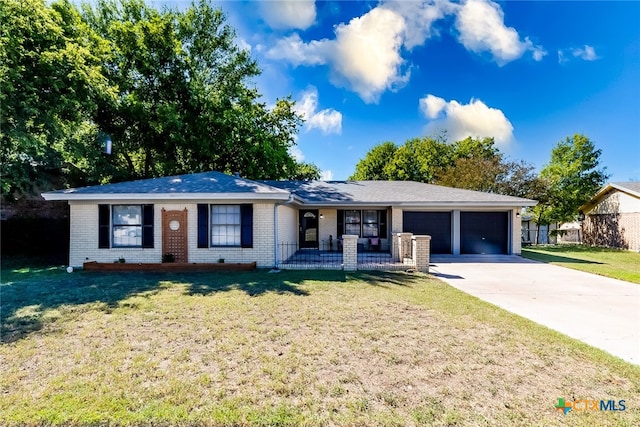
{"x": 387, "y": 278}
{"x": 28, "y": 293}
{"x": 545, "y": 257}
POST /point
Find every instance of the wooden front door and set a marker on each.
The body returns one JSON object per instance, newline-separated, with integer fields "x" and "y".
{"x": 174, "y": 236}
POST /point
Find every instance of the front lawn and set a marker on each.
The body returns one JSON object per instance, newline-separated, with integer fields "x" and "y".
{"x": 615, "y": 263}
{"x": 288, "y": 348}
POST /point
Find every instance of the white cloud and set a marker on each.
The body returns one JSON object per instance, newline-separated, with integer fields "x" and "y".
{"x": 482, "y": 29}
{"x": 326, "y": 175}
{"x": 242, "y": 44}
{"x": 474, "y": 119}
{"x": 588, "y": 53}
{"x": 288, "y": 14}
{"x": 432, "y": 106}
{"x": 327, "y": 120}
{"x": 297, "y": 52}
{"x": 419, "y": 17}
{"x": 296, "y": 153}
{"x": 364, "y": 56}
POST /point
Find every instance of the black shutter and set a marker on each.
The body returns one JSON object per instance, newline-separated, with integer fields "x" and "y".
{"x": 147, "y": 226}
{"x": 383, "y": 224}
{"x": 246, "y": 226}
{"x": 103, "y": 226}
{"x": 203, "y": 226}
{"x": 340, "y": 226}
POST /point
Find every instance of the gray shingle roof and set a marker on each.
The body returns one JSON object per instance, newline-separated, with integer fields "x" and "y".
{"x": 632, "y": 186}
{"x": 390, "y": 192}
{"x": 175, "y": 186}
{"x": 217, "y": 185}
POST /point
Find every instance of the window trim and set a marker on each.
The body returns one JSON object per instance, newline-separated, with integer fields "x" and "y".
{"x": 114, "y": 225}
{"x": 204, "y": 226}
{"x": 212, "y": 225}
{"x": 106, "y": 226}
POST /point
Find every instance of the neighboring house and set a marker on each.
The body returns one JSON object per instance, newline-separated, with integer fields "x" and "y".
{"x": 203, "y": 217}
{"x": 534, "y": 233}
{"x": 612, "y": 216}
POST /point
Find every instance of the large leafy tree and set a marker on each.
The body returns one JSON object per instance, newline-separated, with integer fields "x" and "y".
{"x": 185, "y": 102}
{"x": 50, "y": 69}
{"x": 573, "y": 176}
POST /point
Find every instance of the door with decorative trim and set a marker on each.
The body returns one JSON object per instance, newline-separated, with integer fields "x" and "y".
{"x": 174, "y": 236}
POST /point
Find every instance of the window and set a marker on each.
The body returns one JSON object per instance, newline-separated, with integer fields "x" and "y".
{"x": 363, "y": 223}
{"x": 225, "y": 225}
{"x": 125, "y": 226}
{"x": 370, "y": 224}
{"x": 352, "y": 222}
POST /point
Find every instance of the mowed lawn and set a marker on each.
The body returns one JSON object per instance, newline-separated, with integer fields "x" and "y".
{"x": 615, "y": 263}
{"x": 291, "y": 348}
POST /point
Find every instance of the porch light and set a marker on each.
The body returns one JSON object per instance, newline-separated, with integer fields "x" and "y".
{"x": 321, "y": 216}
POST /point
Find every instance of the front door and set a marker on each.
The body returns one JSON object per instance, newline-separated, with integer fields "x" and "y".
{"x": 174, "y": 236}
{"x": 308, "y": 228}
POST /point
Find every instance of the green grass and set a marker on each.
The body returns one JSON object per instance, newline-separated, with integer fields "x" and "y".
{"x": 294, "y": 348}
{"x": 615, "y": 263}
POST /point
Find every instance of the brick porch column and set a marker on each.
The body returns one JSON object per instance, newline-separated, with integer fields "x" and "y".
{"x": 421, "y": 249}
{"x": 350, "y": 252}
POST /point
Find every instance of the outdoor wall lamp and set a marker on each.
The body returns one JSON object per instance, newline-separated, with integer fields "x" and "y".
{"x": 321, "y": 216}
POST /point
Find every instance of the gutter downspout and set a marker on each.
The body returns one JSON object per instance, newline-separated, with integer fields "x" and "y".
{"x": 275, "y": 228}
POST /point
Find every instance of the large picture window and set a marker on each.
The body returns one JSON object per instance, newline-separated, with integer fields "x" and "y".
{"x": 225, "y": 225}
{"x": 363, "y": 223}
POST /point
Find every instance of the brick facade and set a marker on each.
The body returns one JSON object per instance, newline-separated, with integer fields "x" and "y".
{"x": 84, "y": 237}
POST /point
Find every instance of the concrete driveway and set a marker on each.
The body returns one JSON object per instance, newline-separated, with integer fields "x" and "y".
{"x": 599, "y": 311}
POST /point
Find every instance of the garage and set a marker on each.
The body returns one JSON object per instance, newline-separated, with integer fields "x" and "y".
{"x": 435, "y": 224}
{"x": 484, "y": 232}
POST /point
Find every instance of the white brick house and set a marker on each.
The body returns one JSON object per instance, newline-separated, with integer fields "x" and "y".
{"x": 205, "y": 217}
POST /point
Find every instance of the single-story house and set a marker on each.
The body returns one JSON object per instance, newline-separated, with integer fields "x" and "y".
{"x": 202, "y": 217}
{"x": 612, "y": 216}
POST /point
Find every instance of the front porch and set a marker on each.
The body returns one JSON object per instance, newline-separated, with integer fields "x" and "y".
{"x": 407, "y": 252}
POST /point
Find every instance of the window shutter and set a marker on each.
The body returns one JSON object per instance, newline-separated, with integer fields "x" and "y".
{"x": 340, "y": 226}
{"x": 103, "y": 226}
{"x": 203, "y": 226}
{"x": 383, "y": 224}
{"x": 147, "y": 226}
{"x": 246, "y": 226}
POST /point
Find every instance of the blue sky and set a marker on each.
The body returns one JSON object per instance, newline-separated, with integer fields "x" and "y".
{"x": 527, "y": 73}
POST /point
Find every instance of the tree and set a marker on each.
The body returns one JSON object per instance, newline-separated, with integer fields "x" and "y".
{"x": 372, "y": 166}
{"x": 573, "y": 175}
{"x": 184, "y": 102}
{"x": 305, "y": 172}
{"x": 50, "y": 68}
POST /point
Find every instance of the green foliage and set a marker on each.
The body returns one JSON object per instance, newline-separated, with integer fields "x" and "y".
{"x": 573, "y": 176}
{"x": 372, "y": 166}
{"x": 474, "y": 164}
{"x": 170, "y": 88}
{"x": 305, "y": 172}
{"x": 50, "y": 68}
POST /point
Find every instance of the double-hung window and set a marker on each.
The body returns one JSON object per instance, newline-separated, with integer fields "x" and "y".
{"x": 225, "y": 225}
{"x": 125, "y": 226}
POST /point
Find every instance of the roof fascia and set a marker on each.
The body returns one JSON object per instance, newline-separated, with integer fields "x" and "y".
{"x": 166, "y": 196}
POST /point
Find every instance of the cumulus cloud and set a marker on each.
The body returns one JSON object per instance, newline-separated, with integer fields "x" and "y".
{"x": 474, "y": 119}
{"x": 481, "y": 28}
{"x": 288, "y": 14}
{"x": 327, "y": 121}
{"x": 419, "y": 17}
{"x": 326, "y": 175}
{"x": 364, "y": 56}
